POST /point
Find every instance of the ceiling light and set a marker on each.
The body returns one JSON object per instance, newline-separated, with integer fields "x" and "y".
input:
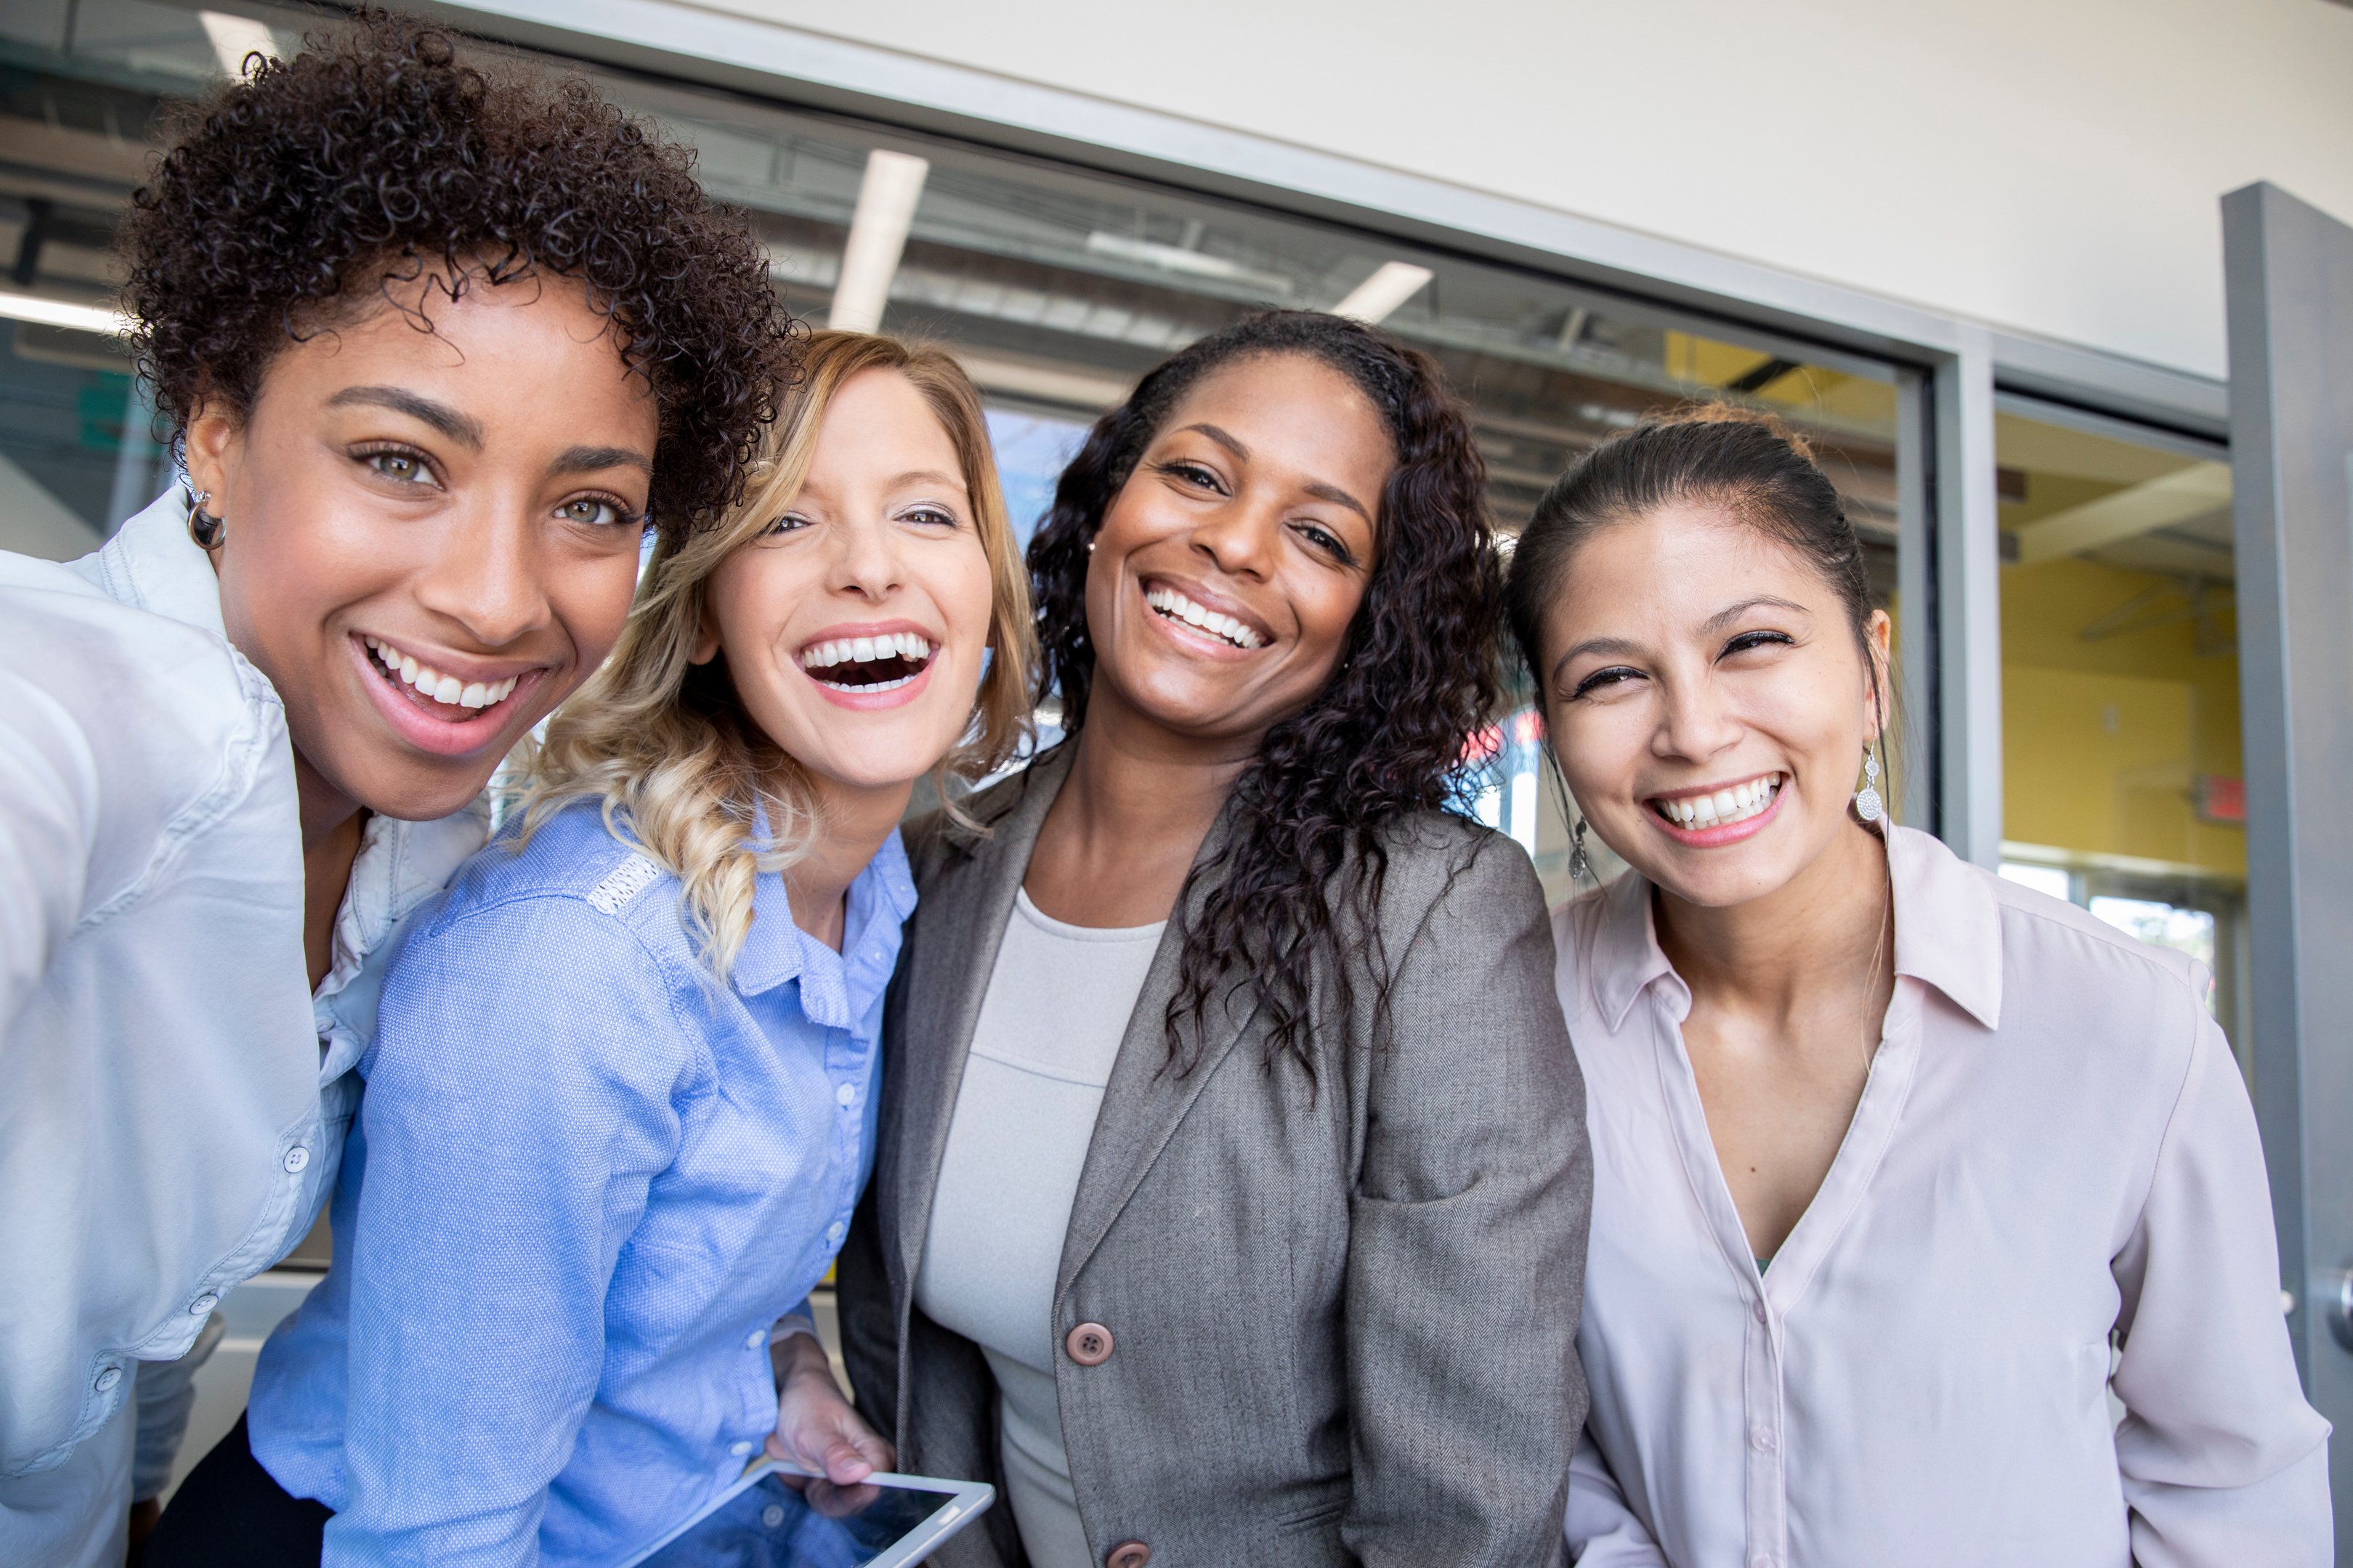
{"x": 233, "y": 38}
{"x": 1390, "y": 285}
{"x": 878, "y": 234}
{"x": 63, "y": 313}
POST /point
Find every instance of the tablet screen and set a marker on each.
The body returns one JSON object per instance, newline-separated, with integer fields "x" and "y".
{"x": 770, "y": 1524}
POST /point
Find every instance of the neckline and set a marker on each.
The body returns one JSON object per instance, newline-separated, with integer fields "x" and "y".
{"x": 1064, "y": 929}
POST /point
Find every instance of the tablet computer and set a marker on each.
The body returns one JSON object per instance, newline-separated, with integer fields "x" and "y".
{"x": 775, "y": 1517}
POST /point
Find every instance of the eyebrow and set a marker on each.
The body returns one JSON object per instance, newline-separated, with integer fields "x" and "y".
{"x": 440, "y": 416}
{"x": 1315, "y": 488}
{"x": 931, "y": 475}
{"x": 1731, "y": 613}
{"x": 590, "y": 459}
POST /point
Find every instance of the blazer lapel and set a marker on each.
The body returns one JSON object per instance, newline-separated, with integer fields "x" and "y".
{"x": 961, "y": 914}
{"x": 1146, "y": 1097}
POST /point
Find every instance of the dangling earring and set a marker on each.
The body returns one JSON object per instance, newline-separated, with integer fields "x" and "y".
{"x": 1580, "y": 866}
{"x": 203, "y": 526}
{"x": 1867, "y": 804}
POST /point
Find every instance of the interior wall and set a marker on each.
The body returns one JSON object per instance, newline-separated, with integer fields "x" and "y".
{"x": 2047, "y": 168}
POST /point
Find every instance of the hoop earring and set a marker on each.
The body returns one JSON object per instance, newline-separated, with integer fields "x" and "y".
{"x": 1867, "y": 804}
{"x": 203, "y": 527}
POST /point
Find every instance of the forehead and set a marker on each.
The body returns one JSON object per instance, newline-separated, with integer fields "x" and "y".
{"x": 879, "y": 424}
{"x": 1291, "y": 409}
{"x": 1674, "y": 567}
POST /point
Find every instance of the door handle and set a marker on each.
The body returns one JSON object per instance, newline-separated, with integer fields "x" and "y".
{"x": 2334, "y": 1290}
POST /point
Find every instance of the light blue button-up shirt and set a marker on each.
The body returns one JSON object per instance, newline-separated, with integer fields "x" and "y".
{"x": 585, "y": 1182}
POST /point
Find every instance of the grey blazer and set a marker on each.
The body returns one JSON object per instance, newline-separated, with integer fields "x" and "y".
{"x": 1344, "y": 1323}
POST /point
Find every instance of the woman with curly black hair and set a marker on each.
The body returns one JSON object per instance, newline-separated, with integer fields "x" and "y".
{"x": 438, "y": 345}
{"x": 1232, "y": 1198}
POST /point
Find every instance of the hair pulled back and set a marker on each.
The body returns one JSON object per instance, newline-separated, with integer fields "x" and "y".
{"x": 1749, "y": 464}
{"x": 298, "y": 194}
{"x": 1386, "y": 736}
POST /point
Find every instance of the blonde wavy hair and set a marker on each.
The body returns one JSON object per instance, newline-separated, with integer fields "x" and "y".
{"x": 665, "y": 745}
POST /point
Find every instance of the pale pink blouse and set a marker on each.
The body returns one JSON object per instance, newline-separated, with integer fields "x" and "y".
{"x": 2054, "y": 1154}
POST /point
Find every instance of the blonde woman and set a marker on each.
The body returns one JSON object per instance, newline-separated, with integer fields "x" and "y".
{"x": 619, "y": 1105}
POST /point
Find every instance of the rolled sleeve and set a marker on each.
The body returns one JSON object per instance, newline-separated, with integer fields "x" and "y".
{"x": 511, "y": 1140}
{"x": 1467, "y": 1243}
{"x": 2222, "y": 1461}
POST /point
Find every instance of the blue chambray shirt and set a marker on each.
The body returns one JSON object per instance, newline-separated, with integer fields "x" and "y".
{"x": 586, "y": 1180}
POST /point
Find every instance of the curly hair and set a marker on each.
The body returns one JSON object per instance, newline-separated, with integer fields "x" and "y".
{"x": 1389, "y": 735}
{"x": 307, "y": 189}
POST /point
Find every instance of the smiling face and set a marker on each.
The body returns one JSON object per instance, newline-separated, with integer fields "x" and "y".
{"x": 1230, "y": 564}
{"x": 1708, "y": 702}
{"x": 431, "y": 537}
{"x": 854, "y": 628}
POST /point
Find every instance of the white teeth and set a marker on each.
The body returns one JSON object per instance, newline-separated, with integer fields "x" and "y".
{"x": 441, "y": 687}
{"x": 910, "y": 646}
{"x": 1734, "y": 803}
{"x": 1176, "y": 606}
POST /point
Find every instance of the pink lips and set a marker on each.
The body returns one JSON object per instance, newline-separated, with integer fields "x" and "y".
{"x": 423, "y": 727}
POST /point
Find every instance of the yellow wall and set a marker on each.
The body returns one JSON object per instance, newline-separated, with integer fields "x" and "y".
{"x": 2103, "y": 740}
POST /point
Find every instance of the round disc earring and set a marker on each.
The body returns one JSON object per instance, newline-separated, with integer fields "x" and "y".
{"x": 1867, "y": 804}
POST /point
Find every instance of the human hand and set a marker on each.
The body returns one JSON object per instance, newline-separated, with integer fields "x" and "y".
{"x": 818, "y": 1433}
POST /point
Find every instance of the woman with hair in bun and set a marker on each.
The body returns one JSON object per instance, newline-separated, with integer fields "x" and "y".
{"x": 1902, "y": 1170}
{"x": 1232, "y": 1196}
{"x": 439, "y": 345}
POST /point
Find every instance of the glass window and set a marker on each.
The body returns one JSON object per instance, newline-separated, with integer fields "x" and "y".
{"x": 1055, "y": 284}
{"x": 2120, "y": 680}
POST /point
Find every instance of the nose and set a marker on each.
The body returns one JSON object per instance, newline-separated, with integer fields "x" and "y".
{"x": 488, "y": 578}
{"x": 1239, "y": 538}
{"x": 865, "y": 560}
{"x": 1696, "y": 720}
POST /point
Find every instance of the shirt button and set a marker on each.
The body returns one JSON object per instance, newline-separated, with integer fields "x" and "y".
{"x": 739, "y": 1447}
{"x": 846, "y": 1096}
{"x": 1761, "y": 1439}
{"x": 109, "y": 1378}
{"x": 202, "y": 1306}
{"x": 297, "y": 1159}
{"x": 773, "y": 1515}
{"x": 1757, "y": 1307}
{"x": 833, "y": 1232}
{"x": 755, "y": 1339}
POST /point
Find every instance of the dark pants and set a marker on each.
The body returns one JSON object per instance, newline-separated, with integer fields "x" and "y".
{"x": 230, "y": 1513}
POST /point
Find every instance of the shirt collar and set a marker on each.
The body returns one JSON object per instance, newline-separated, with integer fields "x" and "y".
{"x": 151, "y": 563}
{"x": 1947, "y": 923}
{"x": 399, "y": 865}
{"x": 836, "y": 989}
{"x": 1947, "y": 932}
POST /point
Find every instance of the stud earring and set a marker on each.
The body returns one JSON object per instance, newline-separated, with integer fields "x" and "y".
{"x": 1867, "y": 804}
{"x": 203, "y": 526}
{"x": 1581, "y": 865}
{"x": 1090, "y": 547}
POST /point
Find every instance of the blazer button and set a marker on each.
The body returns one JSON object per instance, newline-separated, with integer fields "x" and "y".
{"x": 1128, "y": 1554}
{"x": 1090, "y": 1345}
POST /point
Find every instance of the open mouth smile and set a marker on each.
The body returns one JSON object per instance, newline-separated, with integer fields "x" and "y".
{"x": 437, "y": 711}
{"x": 441, "y": 690}
{"x": 1724, "y": 815}
{"x": 1171, "y": 604}
{"x": 869, "y": 665}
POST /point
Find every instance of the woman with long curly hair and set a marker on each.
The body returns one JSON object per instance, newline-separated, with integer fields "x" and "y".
{"x": 438, "y": 347}
{"x": 1233, "y": 1193}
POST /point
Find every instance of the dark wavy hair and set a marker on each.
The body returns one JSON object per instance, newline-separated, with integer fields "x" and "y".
{"x": 300, "y": 193}
{"x": 1389, "y": 733}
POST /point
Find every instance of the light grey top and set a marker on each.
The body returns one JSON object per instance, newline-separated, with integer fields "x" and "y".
{"x": 1057, "y": 1007}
